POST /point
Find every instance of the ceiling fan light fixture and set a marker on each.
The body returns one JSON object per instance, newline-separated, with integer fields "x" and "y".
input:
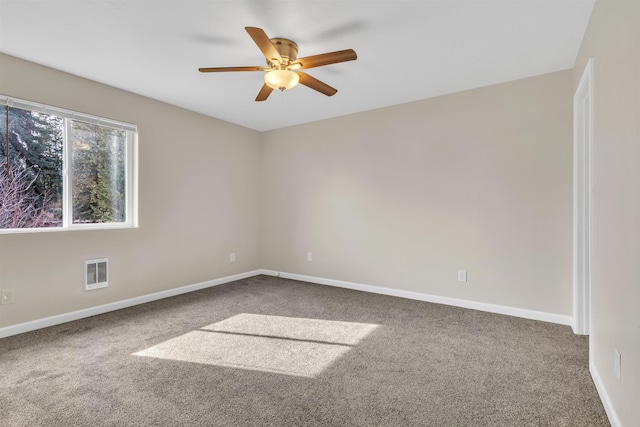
{"x": 281, "y": 79}
{"x": 283, "y": 62}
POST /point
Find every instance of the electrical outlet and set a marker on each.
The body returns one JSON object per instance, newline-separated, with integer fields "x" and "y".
{"x": 7, "y": 296}
{"x": 309, "y": 256}
{"x": 617, "y": 363}
{"x": 232, "y": 257}
{"x": 462, "y": 275}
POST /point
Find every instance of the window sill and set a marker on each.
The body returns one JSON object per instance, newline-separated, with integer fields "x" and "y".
{"x": 84, "y": 227}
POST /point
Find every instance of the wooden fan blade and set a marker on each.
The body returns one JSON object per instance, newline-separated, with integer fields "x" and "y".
{"x": 222, "y": 69}
{"x": 326, "y": 59}
{"x": 264, "y": 44}
{"x": 316, "y": 84}
{"x": 264, "y": 93}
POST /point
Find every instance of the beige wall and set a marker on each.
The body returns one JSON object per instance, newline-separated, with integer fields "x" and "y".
{"x": 403, "y": 197}
{"x": 198, "y": 202}
{"x": 400, "y": 197}
{"x": 613, "y": 41}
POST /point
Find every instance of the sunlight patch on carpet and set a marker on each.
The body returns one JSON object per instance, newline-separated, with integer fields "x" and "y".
{"x": 275, "y": 344}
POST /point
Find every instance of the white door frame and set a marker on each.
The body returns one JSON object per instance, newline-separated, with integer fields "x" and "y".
{"x": 582, "y": 173}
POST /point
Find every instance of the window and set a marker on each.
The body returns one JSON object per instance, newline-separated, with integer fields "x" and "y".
{"x": 63, "y": 170}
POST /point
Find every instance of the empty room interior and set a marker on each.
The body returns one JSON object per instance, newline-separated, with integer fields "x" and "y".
{"x": 429, "y": 216}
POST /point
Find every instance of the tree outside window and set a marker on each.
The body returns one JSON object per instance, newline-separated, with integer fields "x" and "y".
{"x": 36, "y": 192}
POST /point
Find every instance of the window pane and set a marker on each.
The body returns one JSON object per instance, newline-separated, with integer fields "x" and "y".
{"x": 30, "y": 169}
{"x": 36, "y": 141}
{"x": 98, "y": 173}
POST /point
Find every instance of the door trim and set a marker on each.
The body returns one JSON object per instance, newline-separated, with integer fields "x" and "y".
{"x": 582, "y": 206}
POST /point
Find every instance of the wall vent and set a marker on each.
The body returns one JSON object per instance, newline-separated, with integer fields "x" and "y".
{"x": 96, "y": 273}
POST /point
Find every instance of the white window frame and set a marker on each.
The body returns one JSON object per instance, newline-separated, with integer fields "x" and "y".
{"x": 131, "y": 196}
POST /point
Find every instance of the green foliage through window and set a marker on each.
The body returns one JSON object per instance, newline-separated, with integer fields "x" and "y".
{"x": 98, "y": 158}
{"x": 35, "y": 150}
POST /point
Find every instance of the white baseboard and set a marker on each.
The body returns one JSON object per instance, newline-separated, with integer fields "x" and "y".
{"x": 92, "y": 311}
{"x": 604, "y": 396}
{"x": 491, "y": 308}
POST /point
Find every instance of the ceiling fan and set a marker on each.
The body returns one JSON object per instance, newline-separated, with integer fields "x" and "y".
{"x": 283, "y": 65}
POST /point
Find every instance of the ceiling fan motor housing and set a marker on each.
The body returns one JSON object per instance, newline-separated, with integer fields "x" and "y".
{"x": 287, "y": 49}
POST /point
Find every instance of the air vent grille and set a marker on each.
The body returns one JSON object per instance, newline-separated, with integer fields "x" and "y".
{"x": 96, "y": 273}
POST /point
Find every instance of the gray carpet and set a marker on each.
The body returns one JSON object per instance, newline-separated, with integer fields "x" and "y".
{"x": 267, "y": 351}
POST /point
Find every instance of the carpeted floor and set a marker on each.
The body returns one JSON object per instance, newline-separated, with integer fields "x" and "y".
{"x": 267, "y": 351}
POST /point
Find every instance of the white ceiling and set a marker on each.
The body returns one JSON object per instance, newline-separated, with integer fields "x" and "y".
{"x": 407, "y": 50}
